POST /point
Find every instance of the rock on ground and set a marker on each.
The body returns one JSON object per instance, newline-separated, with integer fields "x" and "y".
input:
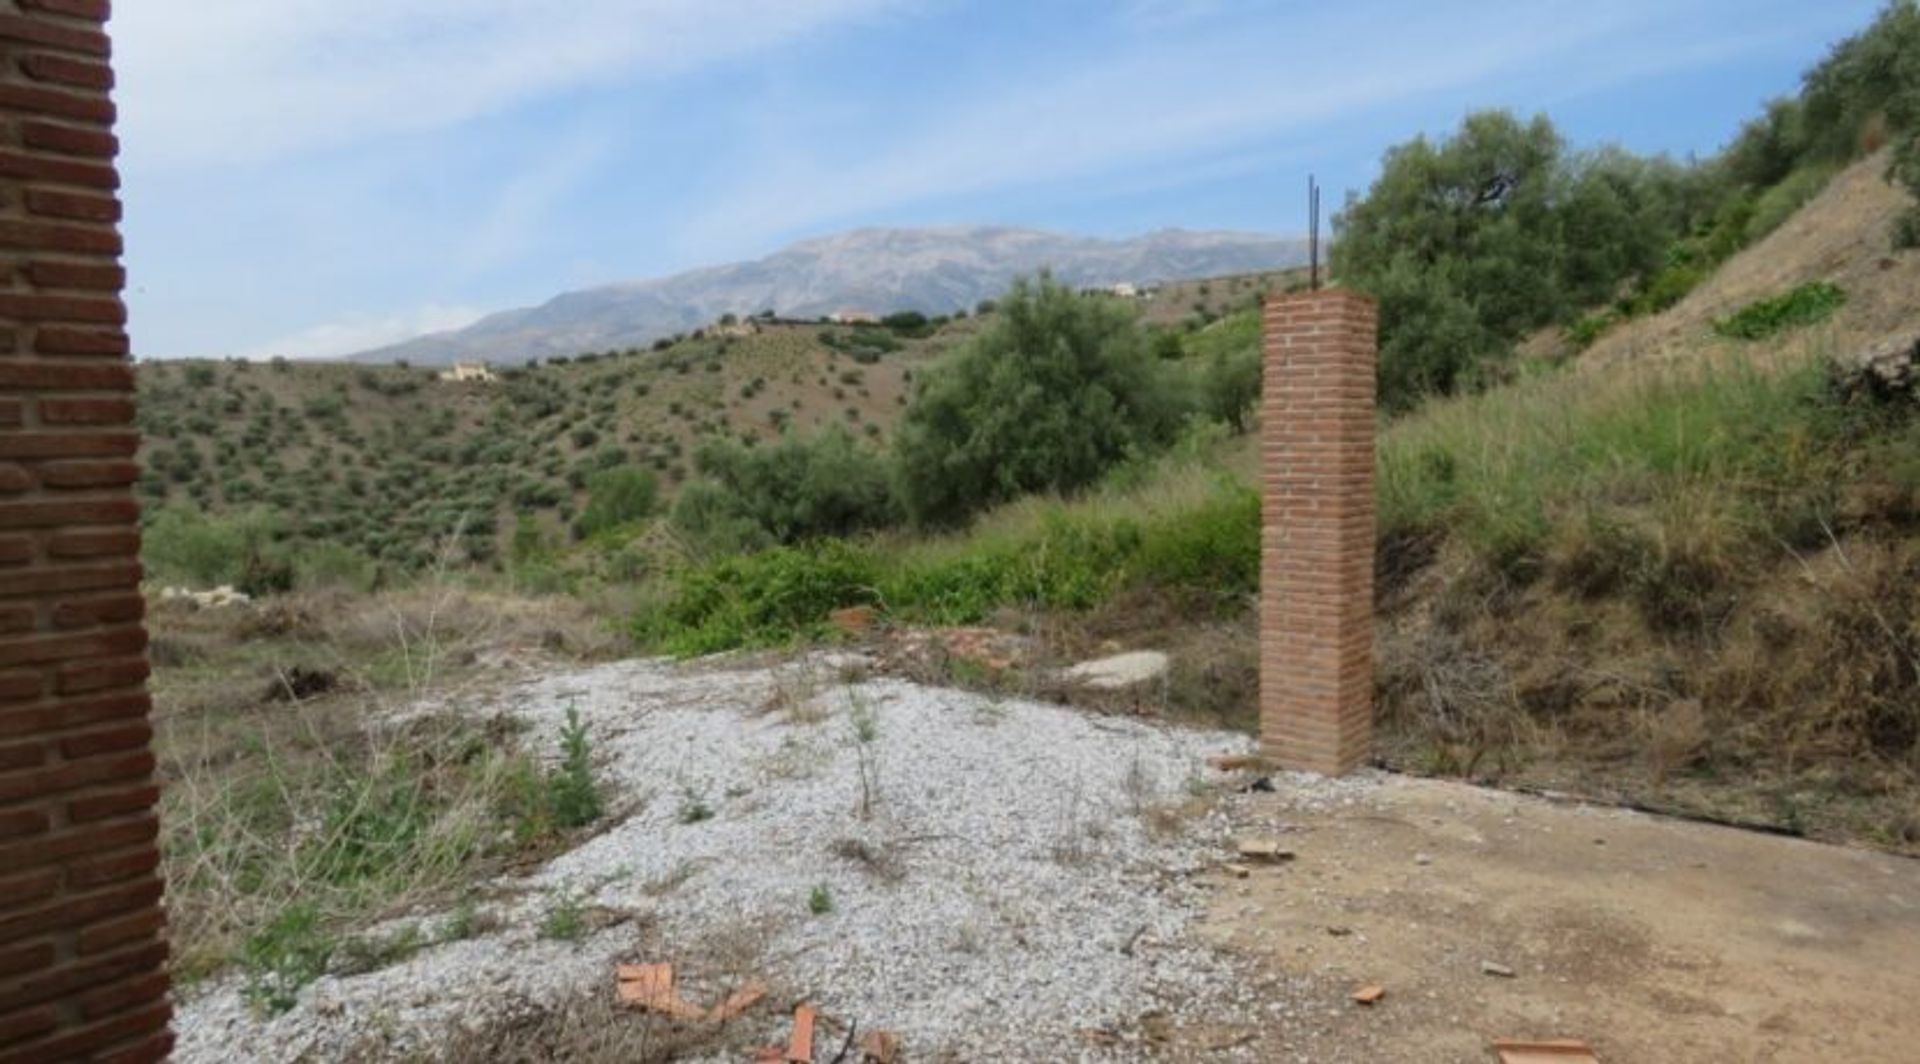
{"x": 1120, "y": 671}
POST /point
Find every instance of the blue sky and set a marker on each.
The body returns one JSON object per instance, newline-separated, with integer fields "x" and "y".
{"x": 313, "y": 177}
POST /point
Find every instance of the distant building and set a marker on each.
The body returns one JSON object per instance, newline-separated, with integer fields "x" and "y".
{"x": 1126, "y": 290}
{"x": 469, "y": 373}
{"x": 854, "y": 317}
{"x": 735, "y": 328}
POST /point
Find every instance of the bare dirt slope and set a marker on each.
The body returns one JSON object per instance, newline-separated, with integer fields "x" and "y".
{"x": 1654, "y": 940}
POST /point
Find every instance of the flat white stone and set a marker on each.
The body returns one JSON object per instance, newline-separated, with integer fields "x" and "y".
{"x": 1121, "y": 670}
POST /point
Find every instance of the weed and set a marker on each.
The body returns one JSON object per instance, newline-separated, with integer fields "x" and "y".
{"x": 571, "y": 790}
{"x": 863, "y": 719}
{"x": 693, "y": 806}
{"x": 1139, "y": 784}
{"x": 370, "y": 953}
{"x": 285, "y": 956}
{"x": 565, "y": 920}
{"x": 1584, "y": 332}
{"x": 820, "y": 900}
{"x": 1809, "y": 304}
{"x": 465, "y": 922}
{"x": 865, "y": 724}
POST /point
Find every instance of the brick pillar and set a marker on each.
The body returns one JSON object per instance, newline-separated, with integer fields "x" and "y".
{"x": 1316, "y": 546}
{"x": 82, "y": 958}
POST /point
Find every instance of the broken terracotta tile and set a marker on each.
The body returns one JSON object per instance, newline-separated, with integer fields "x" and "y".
{"x": 854, "y": 620}
{"x": 1237, "y": 871}
{"x": 1553, "y": 1051}
{"x": 644, "y": 980}
{"x": 800, "y": 1046}
{"x": 1367, "y": 995}
{"x": 880, "y": 1047}
{"x": 1236, "y": 762}
{"x": 650, "y": 986}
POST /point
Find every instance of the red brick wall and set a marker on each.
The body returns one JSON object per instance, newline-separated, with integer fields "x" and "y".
{"x": 1316, "y": 564}
{"x": 82, "y": 958}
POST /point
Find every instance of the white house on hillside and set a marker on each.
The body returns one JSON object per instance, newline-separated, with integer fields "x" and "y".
{"x": 469, "y": 373}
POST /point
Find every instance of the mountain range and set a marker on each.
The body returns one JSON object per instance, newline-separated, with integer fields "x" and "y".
{"x": 880, "y": 271}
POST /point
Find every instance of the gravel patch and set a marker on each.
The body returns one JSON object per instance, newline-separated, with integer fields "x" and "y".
{"x": 958, "y": 869}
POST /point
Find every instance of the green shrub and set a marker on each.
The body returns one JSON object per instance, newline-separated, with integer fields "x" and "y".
{"x": 284, "y": 956}
{"x": 1230, "y": 367}
{"x": 617, "y": 497}
{"x": 1212, "y": 550}
{"x": 1777, "y": 204}
{"x": 1806, "y": 305}
{"x": 1906, "y": 230}
{"x": 190, "y": 547}
{"x": 1471, "y": 242}
{"x": 787, "y": 492}
{"x": 571, "y": 790}
{"x": 1070, "y": 561}
{"x": 760, "y": 599}
{"x": 909, "y": 323}
{"x": 1588, "y": 329}
{"x": 1667, "y": 288}
{"x": 1055, "y": 391}
{"x": 865, "y": 343}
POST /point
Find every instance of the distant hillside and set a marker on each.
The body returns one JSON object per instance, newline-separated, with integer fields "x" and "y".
{"x": 934, "y": 271}
{"x": 389, "y": 461}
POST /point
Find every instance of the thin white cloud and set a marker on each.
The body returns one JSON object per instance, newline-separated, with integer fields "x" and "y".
{"x": 213, "y": 82}
{"x": 1224, "y": 90}
{"x": 361, "y": 333}
{"x": 529, "y": 200}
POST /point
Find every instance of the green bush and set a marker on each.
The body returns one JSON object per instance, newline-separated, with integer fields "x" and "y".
{"x": 1055, "y": 391}
{"x": 1212, "y": 550}
{"x": 1229, "y": 357}
{"x": 1777, "y": 204}
{"x": 1472, "y": 242}
{"x": 909, "y": 323}
{"x": 186, "y": 546}
{"x": 1588, "y": 329}
{"x": 1070, "y": 562}
{"x": 760, "y": 599}
{"x": 617, "y": 497}
{"x": 1667, "y": 288}
{"x": 794, "y": 490}
{"x": 1806, "y": 305}
{"x": 1906, "y": 230}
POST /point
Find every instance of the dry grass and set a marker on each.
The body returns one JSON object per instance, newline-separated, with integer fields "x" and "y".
{"x": 289, "y": 820}
{"x": 594, "y": 1028}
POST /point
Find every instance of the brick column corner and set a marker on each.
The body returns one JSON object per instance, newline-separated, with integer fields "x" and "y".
{"x": 1317, "y": 531}
{"x": 82, "y": 953}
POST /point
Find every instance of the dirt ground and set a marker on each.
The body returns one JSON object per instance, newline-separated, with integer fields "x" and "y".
{"x": 1653, "y": 940}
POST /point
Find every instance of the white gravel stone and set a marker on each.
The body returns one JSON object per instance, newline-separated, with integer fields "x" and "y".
{"x": 1030, "y": 895}
{"x": 1120, "y": 671}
